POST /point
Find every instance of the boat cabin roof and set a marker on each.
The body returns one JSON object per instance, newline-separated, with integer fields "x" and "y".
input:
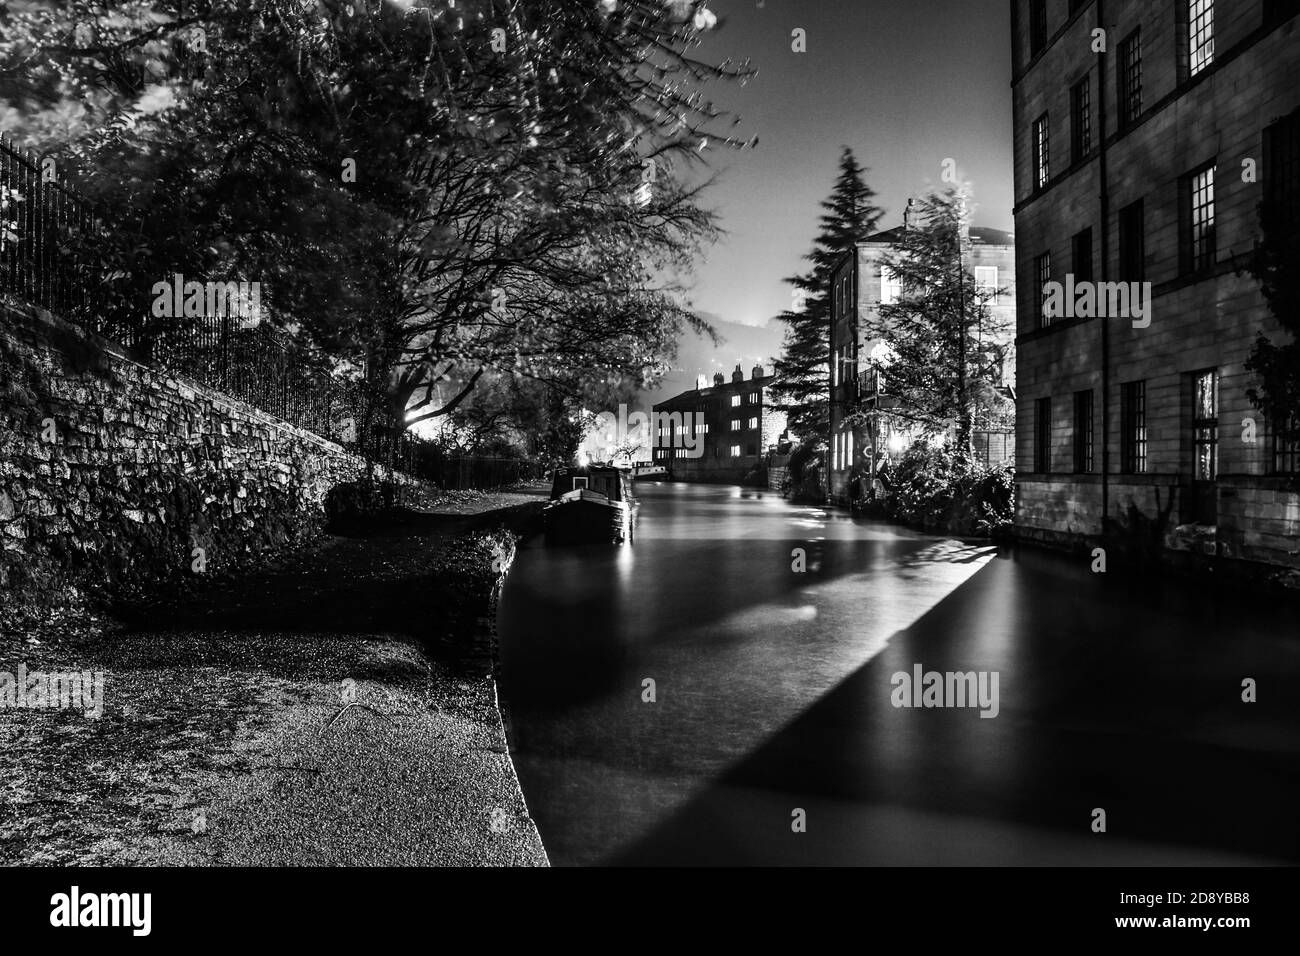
{"x": 614, "y": 483}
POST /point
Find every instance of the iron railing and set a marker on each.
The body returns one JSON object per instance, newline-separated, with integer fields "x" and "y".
{"x": 430, "y": 461}
{"x": 39, "y": 220}
{"x": 44, "y": 224}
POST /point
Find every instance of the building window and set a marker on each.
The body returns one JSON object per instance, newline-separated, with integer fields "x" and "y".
{"x": 1130, "y": 79}
{"x": 1042, "y": 152}
{"x": 753, "y": 423}
{"x": 1205, "y": 425}
{"x": 1043, "y": 272}
{"x": 1043, "y": 436}
{"x": 1083, "y": 431}
{"x": 753, "y": 398}
{"x": 735, "y": 424}
{"x": 890, "y": 287}
{"x": 986, "y": 282}
{"x": 1200, "y": 32}
{"x": 735, "y": 401}
{"x": 1282, "y": 178}
{"x": 1081, "y": 119}
{"x": 735, "y": 451}
{"x": 1133, "y": 428}
{"x": 1286, "y": 449}
{"x": 1198, "y": 220}
{"x": 1277, "y": 12}
{"x": 1132, "y": 243}
{"x": 1082, "y": 248}
{"x": 1037, "y": 26}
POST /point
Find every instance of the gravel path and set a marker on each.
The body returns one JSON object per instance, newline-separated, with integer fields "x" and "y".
{"x": 298, "y": 715}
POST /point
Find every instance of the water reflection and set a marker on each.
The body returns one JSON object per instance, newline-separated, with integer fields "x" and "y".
{"x": 773, "y": 691}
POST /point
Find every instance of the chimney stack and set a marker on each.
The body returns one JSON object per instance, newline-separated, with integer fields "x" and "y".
{"x": 737, "y": 375}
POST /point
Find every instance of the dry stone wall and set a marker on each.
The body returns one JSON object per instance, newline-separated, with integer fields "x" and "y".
{"x": 114, "y": 474}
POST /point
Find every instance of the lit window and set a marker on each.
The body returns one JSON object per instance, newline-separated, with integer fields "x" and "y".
{"x": 1200, "y": 28}
{"x": 735, "y": 401}
{"x": 1042, "y": 152}
{"x": 1205, "y": 426}
{"x": 1133, "y": 427}
{"x": 890, "y": 287}
{"x": 753, "y": 423}
{"x": 735, "y": 451}
{"x": 735, "y": 424}
{"x": 1198, "y": 243}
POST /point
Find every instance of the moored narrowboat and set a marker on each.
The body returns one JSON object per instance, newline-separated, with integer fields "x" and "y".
{"x": 591, "y": 504}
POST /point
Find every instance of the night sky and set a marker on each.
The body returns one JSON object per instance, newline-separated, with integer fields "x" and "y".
{"x": 905, "y": 83}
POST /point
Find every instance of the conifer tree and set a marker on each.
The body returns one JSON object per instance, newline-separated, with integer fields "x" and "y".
{"x": 941, "y": 337}
{"x": 804, "y": 366}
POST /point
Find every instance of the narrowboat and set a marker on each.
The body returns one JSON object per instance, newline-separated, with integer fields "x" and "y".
{"x": 591, "y": 505}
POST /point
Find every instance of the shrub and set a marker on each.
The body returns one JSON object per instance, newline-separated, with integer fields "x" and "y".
{"x": 806, "y": 475}
{"x": 943, "y": 489}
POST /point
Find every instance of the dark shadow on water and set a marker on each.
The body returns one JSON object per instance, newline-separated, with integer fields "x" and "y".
{"x": 1105, "y": 702}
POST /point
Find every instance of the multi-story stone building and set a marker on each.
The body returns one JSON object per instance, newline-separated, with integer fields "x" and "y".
{"x": 860, "y": 284}
{"x": 739, "y": 426}
{"x": 1147, "y": 135}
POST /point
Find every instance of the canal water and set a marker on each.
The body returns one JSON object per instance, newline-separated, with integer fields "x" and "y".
{"x": 772, "y": 634}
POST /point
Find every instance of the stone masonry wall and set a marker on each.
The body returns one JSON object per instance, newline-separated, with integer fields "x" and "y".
{"x": 113, "y": 473}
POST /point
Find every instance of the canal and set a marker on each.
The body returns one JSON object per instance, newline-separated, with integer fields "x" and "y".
{"x": 773, "y": 632}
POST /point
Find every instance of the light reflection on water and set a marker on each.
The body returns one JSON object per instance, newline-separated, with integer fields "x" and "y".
{"x": 773, "y": 691}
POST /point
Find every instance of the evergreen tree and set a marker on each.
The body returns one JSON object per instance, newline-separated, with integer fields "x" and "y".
{"x": 804, "y": 366}
{"x": 940, "y": 335}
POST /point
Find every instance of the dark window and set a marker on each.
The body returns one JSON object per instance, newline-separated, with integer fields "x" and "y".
{"x": 1282, "y": 170}
{"x": 1197, "y": 220}
{"x": 1037, "y": 26}
{"x": 1205, "y": 425}
{"x": 1043, "y": 435}
{"x": 1081, "y": 119}
{"x": 1200, "y": 34}
{"x": 1082, "y": 248}
{"x": 1130, "y": 79}
{"x": 1286, "y": 449}
{"x": 1076, "y": 5}
{"x": 1083, "y": 431}
{"x": 1133, "y": 428}
{"x": 1277, "y": 12}
{"x": 1043, "y": 272}
{"x": 1132, "y": 243}
{"x": 1042, "y": 152}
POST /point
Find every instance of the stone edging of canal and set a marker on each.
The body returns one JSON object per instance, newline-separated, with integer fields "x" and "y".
{"x": 291, "y": 717}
